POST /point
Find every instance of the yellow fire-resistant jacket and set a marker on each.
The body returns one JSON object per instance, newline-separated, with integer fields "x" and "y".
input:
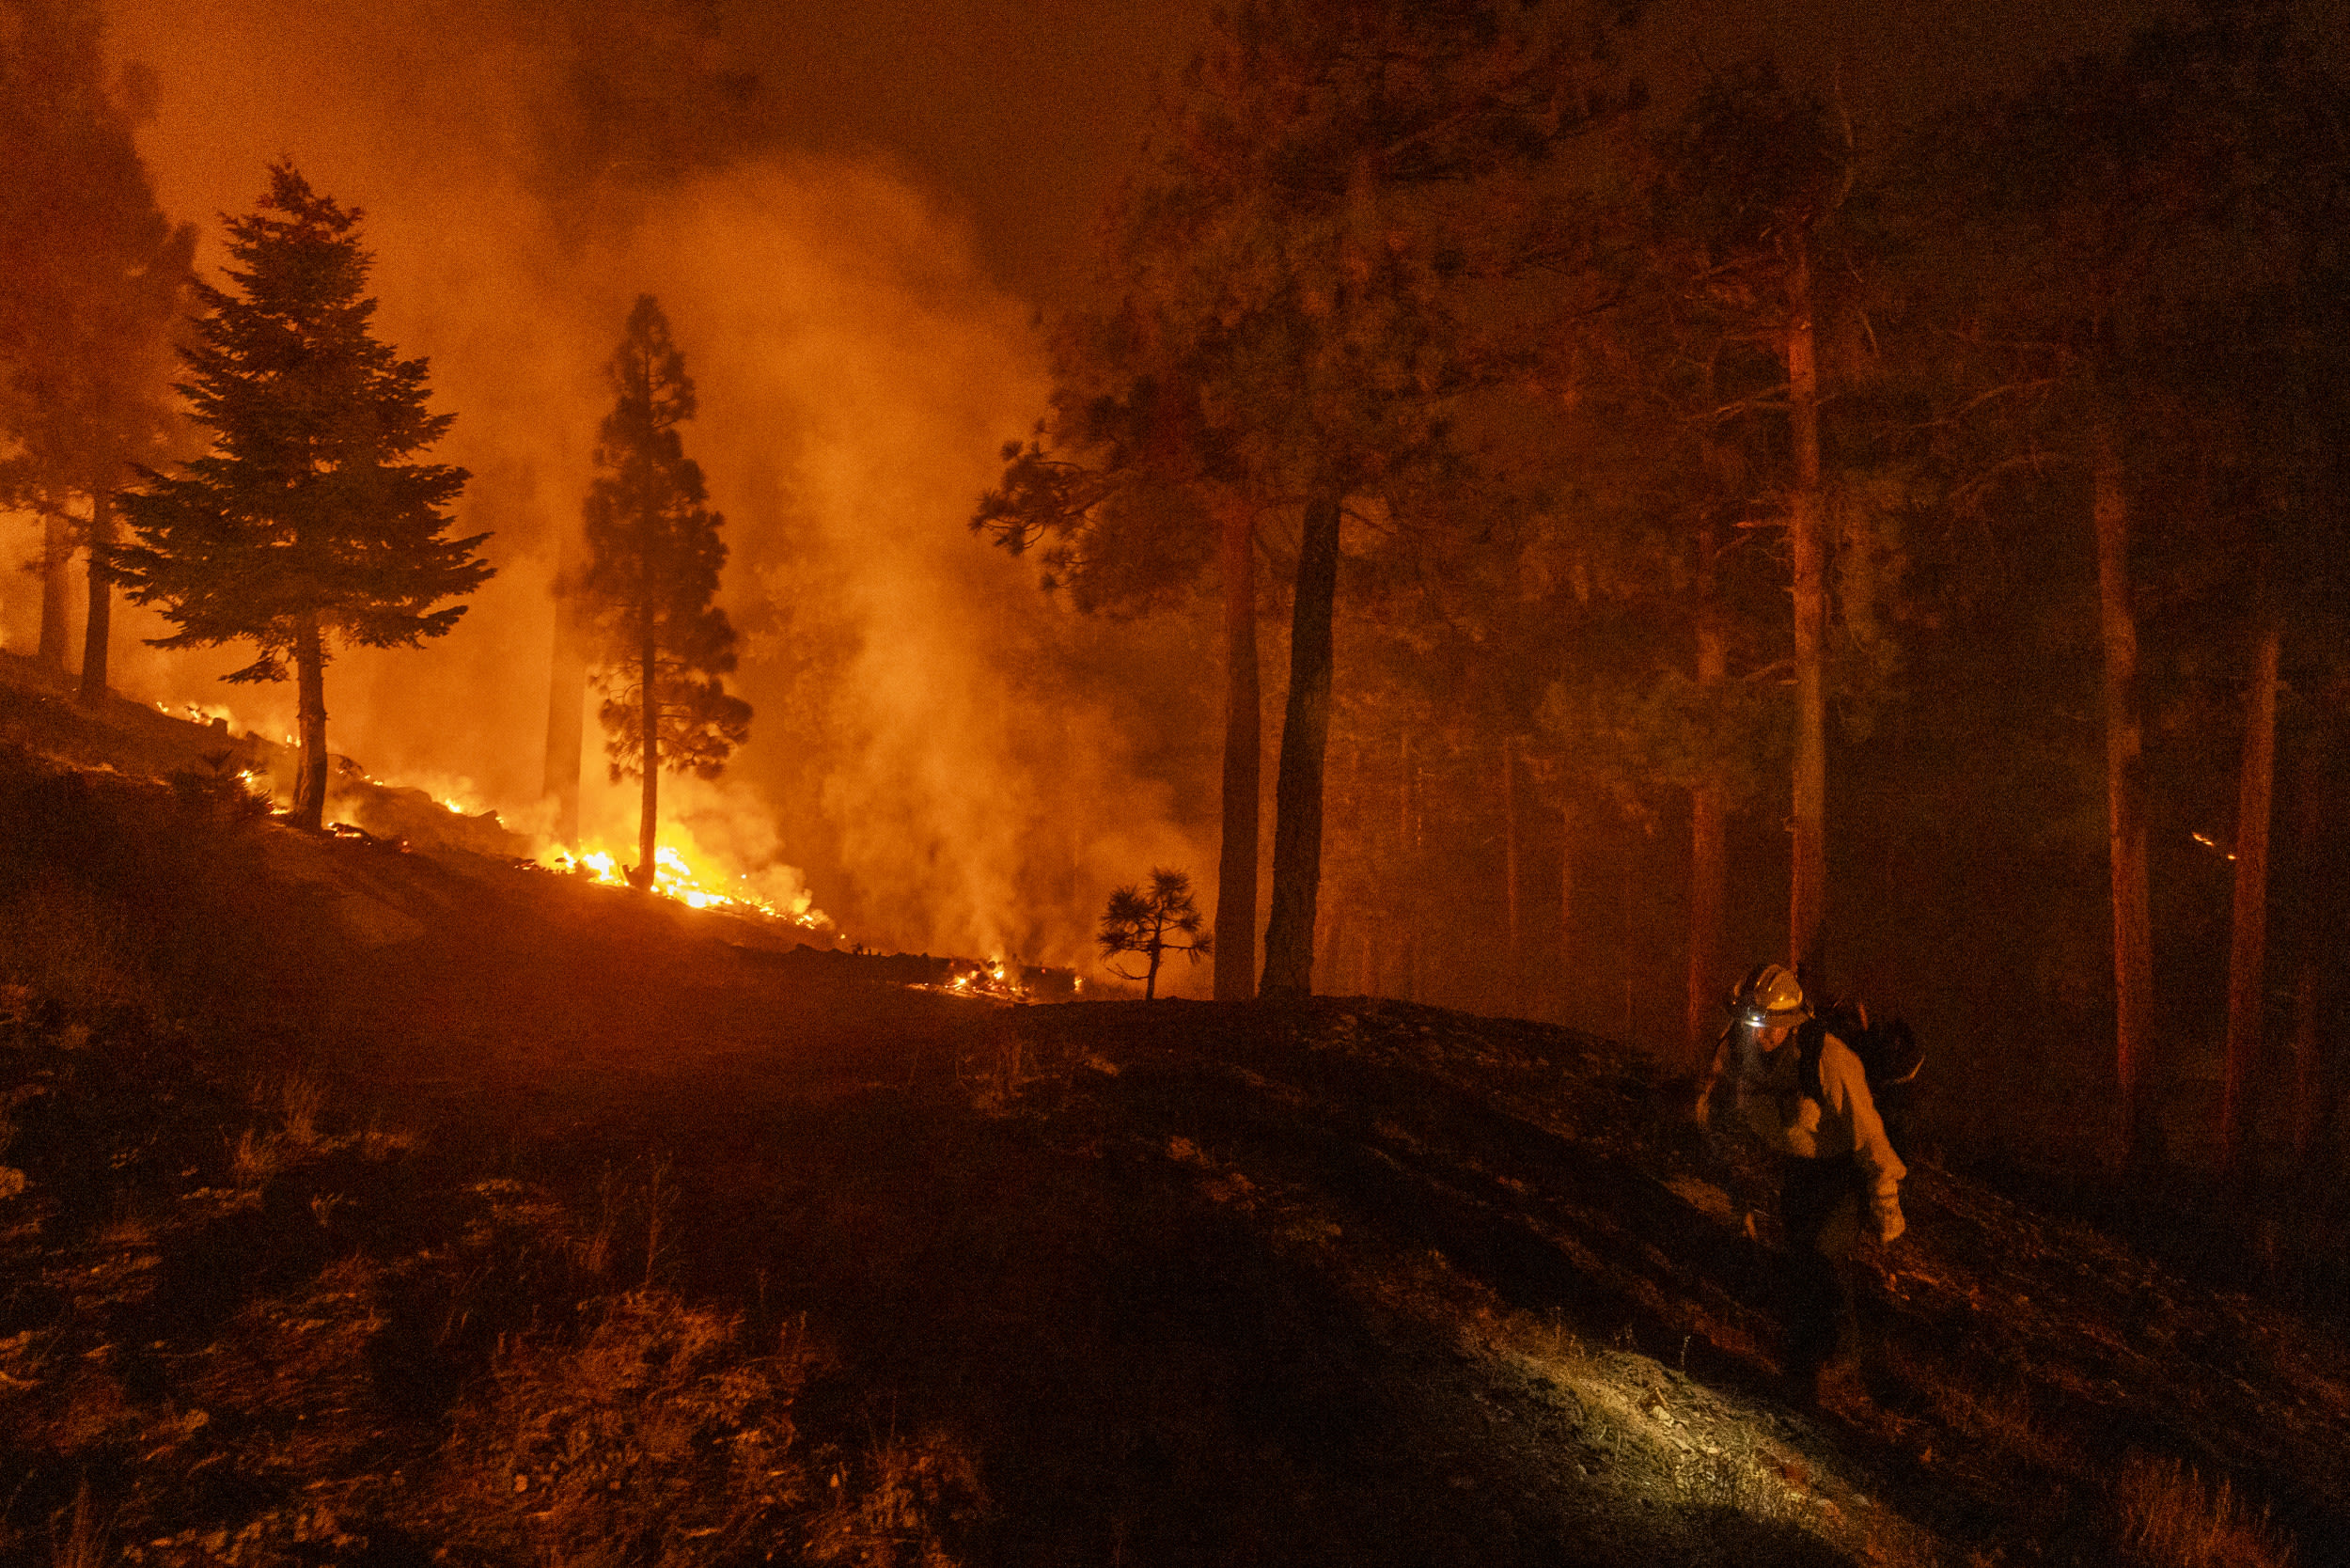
{"x": 1843, "y": 1121}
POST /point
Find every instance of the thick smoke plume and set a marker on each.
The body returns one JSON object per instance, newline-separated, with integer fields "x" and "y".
{"x": 923, "y": 763}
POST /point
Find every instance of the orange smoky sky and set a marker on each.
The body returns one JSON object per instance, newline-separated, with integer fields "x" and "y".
{"x": 849, "y": 214}
{"x": 851, "y": 211}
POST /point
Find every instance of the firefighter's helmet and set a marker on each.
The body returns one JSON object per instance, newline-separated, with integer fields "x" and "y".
{"x": 1769, "y": 997}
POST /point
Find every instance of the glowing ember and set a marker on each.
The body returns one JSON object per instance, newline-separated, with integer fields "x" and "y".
{"x": 353, "y": 833}
{"x": 997, "y": 980}
{"x": 2211, "y": 844}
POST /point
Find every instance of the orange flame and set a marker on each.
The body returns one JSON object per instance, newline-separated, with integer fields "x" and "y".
{"x": 673, "y": 878}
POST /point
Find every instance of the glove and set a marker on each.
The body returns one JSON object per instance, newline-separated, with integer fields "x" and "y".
{"x": 1889, "y": 1221}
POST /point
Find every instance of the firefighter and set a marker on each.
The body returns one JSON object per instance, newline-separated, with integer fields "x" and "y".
{"x": 1803, "y": 1091}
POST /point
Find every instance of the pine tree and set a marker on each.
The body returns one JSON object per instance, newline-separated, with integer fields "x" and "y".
{"x": 307, "y": 519}
{"x": 1127, "y": 530}
{"x": 97, "y": 281}
{"x": 1152, "y": 925}
{"x": 654, "y": 558}
{"x": 2135, "y": 264}
{"x": 1287, "y": 262}
{"x": 1757, "y": 174}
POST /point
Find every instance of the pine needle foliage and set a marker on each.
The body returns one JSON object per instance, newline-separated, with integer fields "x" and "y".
{"x": 1152, "y": 924}
{"x": 654, "y": 558}
{"x": 309, "y": 517}
{"x": 97, "y": 284}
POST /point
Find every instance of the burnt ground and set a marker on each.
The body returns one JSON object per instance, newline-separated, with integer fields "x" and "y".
{"x": 379, "y": 1207}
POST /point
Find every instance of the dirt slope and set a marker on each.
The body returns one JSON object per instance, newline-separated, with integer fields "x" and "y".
{"x": 407, "y": 1208}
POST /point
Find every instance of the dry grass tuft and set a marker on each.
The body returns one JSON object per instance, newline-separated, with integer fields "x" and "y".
{"x": 85, "y": 1541}
{"x": 633, "y": 1204}
{"x": 301, "y": 1097}
{"x": 654, "y": 1438}
{"x": 887, "y": 1505}
{"x": 129, "y": 1233}
{"x": 255, "y": 1159}
{"x": 595, "y": 1247}
{"x": 2170, "y": 1519}
{"x": 660, "y": 1201}
{"x": 379, "y": 1142}
{"x": 1999, "y": 1413}
{"x": 1744, "y": 1479}
{"x": 58, "y": 942}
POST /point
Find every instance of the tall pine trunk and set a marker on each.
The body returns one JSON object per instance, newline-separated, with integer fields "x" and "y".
{"x": 567, "y": 695}
{"x": 1708, "y": 841}
{"x": 2125, "y": 808}
{"x": 1566, "y": 993}
{"x": 2247, "y": 946}
{"x": 1407, "y": 863}
{"x": 1289, "y": 938}
{"x": 1808, "y": 891}
{"x": 96, "y": 628}
{"x": 1510, "y": 877}
{"x": 648, "y": 712}
{"x": 1236, "y": 866}
{"x": 2308, "y": 1077}
{"x": 310, "y": 808}
{"x": 56, "y": 554}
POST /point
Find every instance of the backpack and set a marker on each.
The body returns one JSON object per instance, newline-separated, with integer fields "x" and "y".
{"x": 1890, "y": 1058}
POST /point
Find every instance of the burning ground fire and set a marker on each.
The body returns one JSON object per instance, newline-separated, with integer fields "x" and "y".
{"x": 999, "y": 980}
{"x": 981, "y": 980}
{"x": 673, "y": 878}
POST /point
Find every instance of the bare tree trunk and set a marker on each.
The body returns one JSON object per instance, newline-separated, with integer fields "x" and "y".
{"x": 56, "y": 553}
{"x": 1510, "y": 876}
{"x": 1331, "y": 950}
{"x": 648, "y": 712}
{"x": 96, "y": 628}
{"x": 1566, "y": 989}
{"x": 2125, "y": 812}
{"x": 1708, "y": 840}
{"x": 567, "y": 695}
{"x": 1625, "y": 906}
{"x": 2307, "y": 1081}
{"x": 1341, "y": 970}
{"x": 1289, "y": 939}
{"x": 1236, "y": 865}
{"x": 1407, "y": 866}
{"x": 2247, "y": 946}
{"x": 1808, "y": 891}
{"x": 2310, "y": 827}
{"x": 310, "y": 808}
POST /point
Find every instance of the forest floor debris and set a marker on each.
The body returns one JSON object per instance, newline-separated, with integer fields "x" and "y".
{"x": 553, "y": 1230}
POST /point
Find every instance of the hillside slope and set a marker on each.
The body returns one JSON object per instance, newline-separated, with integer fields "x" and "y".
{"x": 369, "y": 1207}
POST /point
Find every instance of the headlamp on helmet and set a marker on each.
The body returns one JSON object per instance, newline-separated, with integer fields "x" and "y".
{"x": 1769, "y": 997}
